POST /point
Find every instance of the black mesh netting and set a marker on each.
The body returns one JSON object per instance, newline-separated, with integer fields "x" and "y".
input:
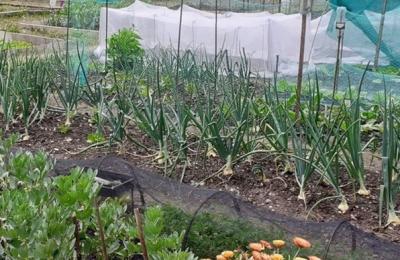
{"x": 335, "y": 240}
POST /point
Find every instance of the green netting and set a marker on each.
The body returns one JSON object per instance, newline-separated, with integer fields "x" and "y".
{"x": 363, "y": 19}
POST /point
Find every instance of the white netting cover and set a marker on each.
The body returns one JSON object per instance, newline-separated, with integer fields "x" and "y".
{"x": 262, "y": 35}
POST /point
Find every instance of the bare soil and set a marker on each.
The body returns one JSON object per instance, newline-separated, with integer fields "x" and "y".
{"x": 261, "y": 181}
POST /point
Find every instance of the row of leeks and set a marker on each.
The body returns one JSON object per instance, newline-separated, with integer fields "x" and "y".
{"x": 234, "y": 123}
{"x": 28, "y": 80}
{"x": 24, "y": 87}
{"x": 196, "y": 114}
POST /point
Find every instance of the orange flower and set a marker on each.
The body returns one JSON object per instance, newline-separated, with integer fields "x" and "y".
{"x": 277, "y": 257}
{"x": 278, "y": 243}
{"x": 301, "y": 242}
{"x": 256, "y": 247}
{"x": 266, "y": 244}
{"x": 227, "y": 254}
{"x": 256, "y": 255}
{"x": 313, "y": 257}
{"x": 264, "y": 256}
{"x": 221, "y": 257}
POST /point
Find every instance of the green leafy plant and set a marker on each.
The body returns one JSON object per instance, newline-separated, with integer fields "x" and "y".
{"x": 95, "y": 138}
{"x": 15, "y": 45}
{"x": 124, "y": 48}
{"x": 83, "y": 15}
{"x": 69, "y": 212}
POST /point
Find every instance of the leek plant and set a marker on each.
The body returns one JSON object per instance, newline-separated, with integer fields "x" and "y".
{"x": 225, "y": 140}
{"x": 275, "y": 124}
{"x": 116, "y": 119}
{"x": 94, "y": 96}
{"x": 149, "y": 115}
{"x": 7, "y": 99}
{"x": 67, "y": 83}
{"x": 352, "y": 150}
{"x": 118, "y": 108}
{"x": 214, "y": 124}
{"x": 179, "y": 124}
{"x": 326, "y": 138}
{"x": 23, "y": 92}
{"x": 306, "y": 156}
{"x": 390, "y": 160}
{"x": 32, "y": 88}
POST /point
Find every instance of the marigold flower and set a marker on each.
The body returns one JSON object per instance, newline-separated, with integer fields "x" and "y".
{"x": 256, "y": 255}
{"x": 278, "y": 243}
{"x": 277, "y": 257}
{"x": 265, "y": 256}
{"x": 301, "y": 242}
{"x": 221, "y": 257}
{"x": 227, "y": 254}
{"x": 313, "y": 257}
{"x": 266, "y": 244}
{"x": 256, "y": 247}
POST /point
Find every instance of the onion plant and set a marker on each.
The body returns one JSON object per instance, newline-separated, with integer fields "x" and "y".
{"x": 67, "y": 83}
{"x": 275, "y": 124}
{"x": 93, "y": 95}
{"x": 149, "y": 115}
{"x": 227, "y": 139}
{"x": 7, "y": 99}
{"x": 116, "y": 119}
{"x": 352, "y": 150}
{"x": 326, "y": 138}
{"x": 305, "y": 155}
{"x": 32, "y": 88}
{"x": 390, "y": 160}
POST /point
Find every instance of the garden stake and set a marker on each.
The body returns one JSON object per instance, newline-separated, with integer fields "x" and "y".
{"x": 101, "y": 231}
{"x": 340, "y": 27}
{"x": 379, "y": 43}
{"x": 132, "y": 198}
{"x": 139, "y": 224}
{"x": 77, "y": 238}
{"x": 301, "y": 57}
{"x": 105, "y": 63}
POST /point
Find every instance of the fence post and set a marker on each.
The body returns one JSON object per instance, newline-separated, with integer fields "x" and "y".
{"x": 301, "y": 57}
{"x": 378, "y": 44}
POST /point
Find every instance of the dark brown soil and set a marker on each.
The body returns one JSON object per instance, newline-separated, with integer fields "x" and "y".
{"x": 261, "y": 181}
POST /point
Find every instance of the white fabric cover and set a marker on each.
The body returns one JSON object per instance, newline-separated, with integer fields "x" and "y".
{"x": 262, "y": 35}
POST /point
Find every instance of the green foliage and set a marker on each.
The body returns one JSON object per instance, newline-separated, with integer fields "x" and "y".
{"x": 233, "y": 114}
{"x": 156, "y": 240}
{"x": 177, "y": 255}
{"x": 49, "y": 218}
{"x": 211, "y": 234}
{"x": 389, "y": 70}
{"x": 15, "y": 45}
{"x": 84, "y": 14}
{"x": 95, "y": 138}
{"x": 124, "y": 48}
{"x": 24, "y": 86}
{"x": 64, "y": 129}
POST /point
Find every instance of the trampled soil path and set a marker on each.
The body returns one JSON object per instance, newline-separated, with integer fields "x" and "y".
{"x": 261, "y": 181}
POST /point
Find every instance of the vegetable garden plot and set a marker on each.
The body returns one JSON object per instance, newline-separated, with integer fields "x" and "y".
{"x": 176, "y": 107}
{"x": 336, "y": 240}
